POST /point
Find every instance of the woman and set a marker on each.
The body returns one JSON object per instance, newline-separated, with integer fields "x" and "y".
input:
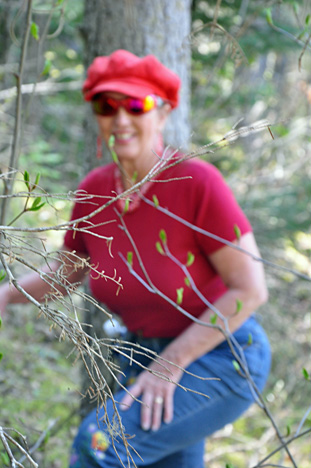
{"x": 132, "y": 98}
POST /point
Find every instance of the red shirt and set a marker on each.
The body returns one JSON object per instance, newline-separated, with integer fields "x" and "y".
{"x": 202, "y": 198}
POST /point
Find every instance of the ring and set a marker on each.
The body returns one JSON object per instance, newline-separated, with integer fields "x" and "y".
{"x": 158, "y": 400}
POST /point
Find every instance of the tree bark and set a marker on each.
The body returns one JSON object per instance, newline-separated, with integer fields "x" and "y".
{"x": 161, "y": 28}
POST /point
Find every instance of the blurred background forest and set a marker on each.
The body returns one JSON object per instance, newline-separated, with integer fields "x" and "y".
{"x": 260, "y": 77}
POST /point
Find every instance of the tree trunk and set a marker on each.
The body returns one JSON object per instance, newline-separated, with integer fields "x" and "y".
{"x": 161, "y": 28}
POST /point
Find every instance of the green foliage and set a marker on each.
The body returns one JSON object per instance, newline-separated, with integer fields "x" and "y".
{"x": 36, "y": 204}
{"x": 190, "y": 259}
{"x": 213, "y": 319}
{"x": 134, "y": 177}
{"x": 39, "y": 384}
{"x": 162, "y": 235}
{"x": 111, "y": 141}
{"x": 126, "y": 205}
{"x": 239, "y": 305}
{"x": 180, "y": 294}
{"x": 5, "y": 458}
{"x": 34, "y": 31}
{"x": 159, "y": 248}
{"x": 237, "y": 232}
{"x": 269, "y": 16}
{"x": 47, "y": 67}
{"x": 2, "y": 275}
{"x": 155, "y": 200}
{"x": 129, "y": 258}
{"x": 187, "y": 282}
{"x": 236, "y": 365}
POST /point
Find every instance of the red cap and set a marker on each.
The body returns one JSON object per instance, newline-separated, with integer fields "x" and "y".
{"x": 125, "y": 73}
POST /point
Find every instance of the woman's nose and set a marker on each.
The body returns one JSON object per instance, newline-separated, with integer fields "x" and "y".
{"x": 122, "y": 117}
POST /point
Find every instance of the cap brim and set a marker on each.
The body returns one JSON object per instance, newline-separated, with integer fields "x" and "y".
{"x": 129, "y": 89}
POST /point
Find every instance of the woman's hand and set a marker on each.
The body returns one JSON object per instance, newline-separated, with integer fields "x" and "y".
{"x": 156, "y": 393}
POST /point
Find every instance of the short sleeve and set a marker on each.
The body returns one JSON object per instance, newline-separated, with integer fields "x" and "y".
{"x": 218, "y": 213}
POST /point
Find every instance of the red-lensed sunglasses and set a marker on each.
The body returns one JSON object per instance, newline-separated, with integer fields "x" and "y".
{"x": 107, "y": 106}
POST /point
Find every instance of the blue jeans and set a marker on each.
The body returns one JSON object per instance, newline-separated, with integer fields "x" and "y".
{"x": 179, "y": 444}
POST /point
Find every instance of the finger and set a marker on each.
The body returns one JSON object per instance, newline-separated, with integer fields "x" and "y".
{"x": 157, "y": 412}
{"x": 128, "y": 399}
{"x": 168, "y": 411}
{"x": 146, "y": 410}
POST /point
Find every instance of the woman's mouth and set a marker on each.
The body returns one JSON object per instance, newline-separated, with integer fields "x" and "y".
{"x": 123, "y": 137}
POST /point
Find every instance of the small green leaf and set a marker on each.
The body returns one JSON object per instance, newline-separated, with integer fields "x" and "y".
{"x": 269, "y": 16}
{"x": 180, "y": 293}
{"x": 250, "y": 339}
{"x": 134, "y": 178}
{"x": 155, "y": 200}
{"x": 213, "y": 319}
{"x": 130, "y": 258}
{"x": 1, "y": 356}
{"x": 47, "y": 437}
{"x": 111, "y": 141}
{"x": 47, "y": 67}
{"x": 187, "y": 282}
{"x": 36, "y": 208}
{"x": 237, "y": 232}
{"x": 34, "y": 31}
{"x": 5, "y": 458}
{"x": 159, "y": 248}
{"x": 26, "y": 179}
{"x": 162, "y": 236}
{"x": 239, "y": 305}
{"x": 37, "y": 179}
{"x": 36, "y": 202}
{"x": 236, "y": 365}
{"x": 114, "y": 156}
{"x": 306, "y": 374}
{"x": 229, "y": 465}
{"x": 126, "y": 205}
{"x": 0, "y": 322}
{"x": 308, "y": 17}
{"x": 190, "y": 259}
{"x": 2, "y": 275}
{"x": 288, "y": 430}
{"x": 36, "y": 205}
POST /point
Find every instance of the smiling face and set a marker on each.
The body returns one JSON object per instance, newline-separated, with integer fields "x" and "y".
{"x": 137, "y": 137}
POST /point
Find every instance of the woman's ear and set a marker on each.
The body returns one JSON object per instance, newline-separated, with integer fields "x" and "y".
{"x": 164, "y": 111}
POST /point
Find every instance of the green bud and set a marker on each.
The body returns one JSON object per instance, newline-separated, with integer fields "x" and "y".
{"x": 34, "y": 31}
{"x": 155, "y": 200}
{"x": 190, "y": 259}
{"x": 180, "y": 293}
{"x": 162, "y": 236}
{"x": 130, "y": 258}
{"x": 159, "y": 248}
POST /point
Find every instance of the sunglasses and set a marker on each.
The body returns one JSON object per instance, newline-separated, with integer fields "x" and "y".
{"x": 108, "y": 106}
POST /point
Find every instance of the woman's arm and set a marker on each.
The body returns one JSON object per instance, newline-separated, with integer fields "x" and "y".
{"x": 244, "y": 278}
{"x": 35, "y": 286}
